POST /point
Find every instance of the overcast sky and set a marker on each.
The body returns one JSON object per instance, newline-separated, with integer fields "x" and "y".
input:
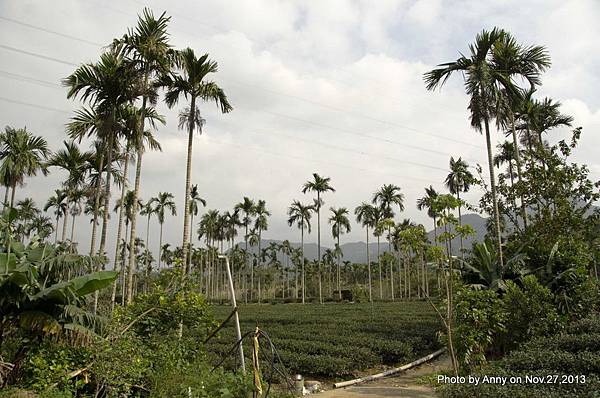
{"x": 333, "y": 87}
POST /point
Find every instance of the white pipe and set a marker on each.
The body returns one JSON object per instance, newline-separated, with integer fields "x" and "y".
{"x": 390, "y": 371}
{"x": 238, "y": 332}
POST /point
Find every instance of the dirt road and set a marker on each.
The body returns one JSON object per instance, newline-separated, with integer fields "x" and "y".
{"x": 403, "y": 385}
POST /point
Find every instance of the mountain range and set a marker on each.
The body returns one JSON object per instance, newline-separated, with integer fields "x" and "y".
{"x": 356, "y": 251}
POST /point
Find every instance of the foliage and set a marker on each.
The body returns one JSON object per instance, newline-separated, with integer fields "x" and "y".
{"x": 529, "y": 312}
{"x": 479, "y": 319}
{"x": 573, "y": 353}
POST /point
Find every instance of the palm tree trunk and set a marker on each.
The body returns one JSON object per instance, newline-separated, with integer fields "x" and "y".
{"x": 338, "y": 266}
{"x": 518, "y": 160}
{"x": 96, "y": 206}
{"x": 160, "y": 245}
{"x": 188, "y": 178}
{"x": 73, "y": 228}
{"x": 65, "y": 221}
{"x": 369, "y": 267}
{"x": 380, "y": 274}
{"x": 493, "y": 187}
{"x": 462, "y": 248}
{"x": 5, "y": 203}
{"x": 319, "y": 246}
{"x": 56, "y": 230}
{"x": 147, "y": 245}
{"x": 12, "y": 195}
{"x": 109, "y": 166}
{"x": 303, "y": 274}
{"x": 120, "y": 229}
{"x": 133, "y": 229}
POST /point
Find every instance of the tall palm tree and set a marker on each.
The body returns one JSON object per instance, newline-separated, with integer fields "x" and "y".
{"x": 481, "y": 79}
{"x": 300, "y": 215}
{"x": 148, "y": 209}
{"x": 378, "y": 219}
{"x": 459, "y": 180}
{"x": 191, "y": 81}
{"x": 388, "y": 197}
{"x": 527, "y": 62}
{"x": 195, "y": 200}
{"x": 107, "y": 86}
{"x": 76, "y": 196}
{"x": 75, "y": 162}
{"x": 24, "y": 155}
{"x": 485, "y": 75}
{"x": 340, "y": 224}
{"x": 148, "y": 48}
{"x": 365, "y": 215}
{"x": 164, "y": 202}
{"x": 427, "y": 202}
{"x": 59, "y": 204}
{"x": 320, "y": 185}
{"x": 261, "y": 223}
{"x": 248, "y": 207}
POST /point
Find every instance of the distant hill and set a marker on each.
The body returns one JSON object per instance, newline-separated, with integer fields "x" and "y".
{"x": 356, "y": 251}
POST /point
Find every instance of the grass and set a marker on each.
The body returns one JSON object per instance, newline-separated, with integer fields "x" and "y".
{"x": 337, "y": 339}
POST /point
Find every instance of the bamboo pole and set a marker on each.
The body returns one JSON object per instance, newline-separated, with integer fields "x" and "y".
{"x": 390, "y": 371}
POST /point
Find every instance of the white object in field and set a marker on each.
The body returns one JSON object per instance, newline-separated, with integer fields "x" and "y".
{"x": 299, "y": 384}
{"x": 391, "y": 371}
{"x": 238, "y": 332}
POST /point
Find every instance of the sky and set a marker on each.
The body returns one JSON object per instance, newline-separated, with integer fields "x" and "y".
{"x": 333, "y": 87}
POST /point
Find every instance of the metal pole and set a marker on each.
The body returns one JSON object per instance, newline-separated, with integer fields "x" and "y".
{"x": 237, "y": 318}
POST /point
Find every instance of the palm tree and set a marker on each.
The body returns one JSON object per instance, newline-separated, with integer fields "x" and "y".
{"x": 107, "y": 86}
{"x": 484, "y": 75}
{"x": 191, "y": 82}
{"x": 377, "y": 231}
{"x": 529, "y": 63}
{"x": 261, "y": 223}
{"x": 339, "y": 224}
{"x": 23, "y": 155}
{"x": 76, "y": 196}
{"x": 459, "y": 180}
{"x": 148, "y": 209}
{"x": 365, "y": 216}
{"x": 195, "y": 200}
{"x": 42, "y": 226}
{"x": 248, "y": 207}
{"x": 386, "y": 198}
{"x": 148, "y": 48}
{"x": 75, "y": 162}
{"x": 300, "y": 215}
{"x": 58, "y": 202}
{"x": 164, "y": 202}
{"x": 319, "y": 185}
{"x": 427, "y": 202}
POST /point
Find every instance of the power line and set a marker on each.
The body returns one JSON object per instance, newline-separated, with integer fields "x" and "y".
{"x": 37, "y": 55}
{"x": 303, "y": 159}
{"x": 34, "y": 105}
{"x": 53, "y": 85}
{"x": 49, "y": 31}
{"x": 326, "y": 106}
{"x": 351, "y": 150}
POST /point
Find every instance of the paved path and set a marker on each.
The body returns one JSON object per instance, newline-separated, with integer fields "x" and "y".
{"x": 403, "y": 385}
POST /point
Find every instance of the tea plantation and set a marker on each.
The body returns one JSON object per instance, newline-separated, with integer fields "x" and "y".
{"x": 337, "y": 339}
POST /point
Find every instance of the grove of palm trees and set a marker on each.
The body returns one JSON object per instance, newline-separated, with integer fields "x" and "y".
{"x": 216, "y": 273}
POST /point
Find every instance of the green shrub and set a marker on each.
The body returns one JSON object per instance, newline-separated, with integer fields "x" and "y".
{"x": 529, "y": 312}
{"x": 479, "y": 318}
{"x": 50, "y": 364}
